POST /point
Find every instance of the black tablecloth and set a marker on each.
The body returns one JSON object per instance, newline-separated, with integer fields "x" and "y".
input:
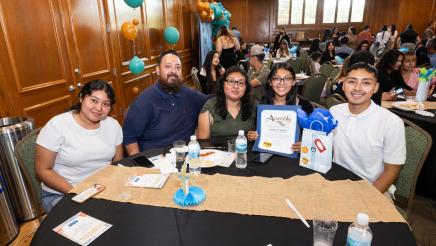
{"x": 147, "y": 225}
{"x": 427, "y": 177}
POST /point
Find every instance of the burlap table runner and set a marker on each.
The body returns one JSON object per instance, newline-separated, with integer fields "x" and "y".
{"x": 312, "y": 195}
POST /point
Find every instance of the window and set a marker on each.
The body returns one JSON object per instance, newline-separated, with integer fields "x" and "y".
{"x": 343, "y": 11}
{"x": 310, "y": 12}
{"x": 357, "y": 10}
{"x": 329, "y": 11}
{"x": 283, "y": 12}
{"x": 297, "y": 12}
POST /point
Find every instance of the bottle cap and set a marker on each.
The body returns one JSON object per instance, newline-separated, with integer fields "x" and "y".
{"x": 241, "y": 132}
{"x": 193, "y": 138}
{"x": 362, "y": 219}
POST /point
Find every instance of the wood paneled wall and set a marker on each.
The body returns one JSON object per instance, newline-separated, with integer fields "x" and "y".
{"x": 257, "y": 19}
{"x": 50, "y": 48}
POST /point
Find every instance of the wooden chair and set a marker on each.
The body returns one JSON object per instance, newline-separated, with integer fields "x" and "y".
{"x": 418, "y": 144}
{"x": 25, "y": 154}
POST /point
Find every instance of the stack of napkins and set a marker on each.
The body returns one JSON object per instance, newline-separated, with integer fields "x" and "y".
{"x": 149, "y": 180}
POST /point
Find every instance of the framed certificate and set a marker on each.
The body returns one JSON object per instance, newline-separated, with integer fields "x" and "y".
{"x": 277, "y": 129}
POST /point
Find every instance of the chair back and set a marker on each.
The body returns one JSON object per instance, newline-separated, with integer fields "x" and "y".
{"x": 333, "y": 100}
{"x": 326, "y": 68}
{"x": 25, "y": 154}
{"x": 195, "y": 79}
{"x": 306, "y": 62}
{"x": 296, "y": 64}
{"x": 418, "y": 144}
{"x": 334, "y": 72}
{"x": 313, "y": 87}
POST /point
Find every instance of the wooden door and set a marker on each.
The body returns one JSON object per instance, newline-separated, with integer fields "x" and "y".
{"x": 35, "y": 71}
{"x": 89, "y": 45}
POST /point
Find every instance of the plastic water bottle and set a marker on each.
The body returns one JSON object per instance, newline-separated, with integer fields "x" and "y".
{"x": 194, "y": 156}
{"x": 241, "y": 150}
{"x": 359, "y": 233}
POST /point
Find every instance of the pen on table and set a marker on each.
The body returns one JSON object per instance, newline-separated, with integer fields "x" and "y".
{"x": 298, "y": 213}
{"x": 214, "y": 147}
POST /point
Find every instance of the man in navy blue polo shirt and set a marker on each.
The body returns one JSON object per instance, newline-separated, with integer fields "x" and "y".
{"x": 165, "y": 112}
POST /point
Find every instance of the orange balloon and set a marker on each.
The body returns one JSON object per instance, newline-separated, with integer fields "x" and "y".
{"x": 204, "y": 14}
{"x": 129, "y": 30}
{"x": 200, "y": 6}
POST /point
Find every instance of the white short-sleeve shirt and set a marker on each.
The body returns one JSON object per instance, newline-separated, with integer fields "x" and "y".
{"x": 363, "y": 143}
{"x": 80, "y": 152}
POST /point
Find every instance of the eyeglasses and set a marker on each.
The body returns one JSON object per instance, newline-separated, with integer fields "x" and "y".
{"x": 276, "y": 80}
{"x": 232, "y": 82}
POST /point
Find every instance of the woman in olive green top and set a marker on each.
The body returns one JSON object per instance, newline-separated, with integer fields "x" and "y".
{"x": 232, "y": 108}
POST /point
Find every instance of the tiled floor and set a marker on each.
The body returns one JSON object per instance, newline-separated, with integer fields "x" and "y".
{"x": 423, "y": 224}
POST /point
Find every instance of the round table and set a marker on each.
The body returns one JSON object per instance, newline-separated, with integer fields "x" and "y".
{"x": 148, "y": 225}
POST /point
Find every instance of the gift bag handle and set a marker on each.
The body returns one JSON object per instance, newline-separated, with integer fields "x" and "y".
{"x": 322, "y": 126}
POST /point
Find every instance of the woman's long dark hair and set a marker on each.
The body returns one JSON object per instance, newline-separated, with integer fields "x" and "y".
{"x": 388, "y": 60}
{"x": 94, "y": 85}
{"x": 207, "y": 65}
{"x": 359, "y": 47}
{"x": 314, "y": 46}
{"x": 247, "y": 103}
{"x": 269, "y": 92}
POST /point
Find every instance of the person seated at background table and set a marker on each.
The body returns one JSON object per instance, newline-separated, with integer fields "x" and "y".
{"x": 281, "y": 90}
{"x": 283, "y": 51}
{"x": 78, "y": 143}
{"x": 389, "y": 76}
{"x": 314, "y": 47}
{"x": 232, "y": 108}
{"x": 431, "y": 50}
{"x": 316, "y": 61}
{"x": 363, "y": 46}
{"x": 343, "y": 51}
{"x": 369, "y": 140}
{"x": 278, "y": 39}
{"x": 210, "y": 72}
{"x": 165, "y": 112}
{"x": 353, "y": 40}
{"x": 258, "y": 73}
{"x": 410, "y": 72}
{"x": 329, "y": 54}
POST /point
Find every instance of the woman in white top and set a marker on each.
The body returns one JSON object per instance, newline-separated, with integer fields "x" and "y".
{"x": 78, "y": 143}
{"x": 382, "y": 37}
{"x": 283, "y": 51}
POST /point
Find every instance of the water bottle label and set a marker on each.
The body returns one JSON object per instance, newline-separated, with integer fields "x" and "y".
{"x": 241, "y": 147}
{"x": 353, "y": 242}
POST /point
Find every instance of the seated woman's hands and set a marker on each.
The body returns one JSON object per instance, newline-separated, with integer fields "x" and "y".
{"x": 252, "y": 135}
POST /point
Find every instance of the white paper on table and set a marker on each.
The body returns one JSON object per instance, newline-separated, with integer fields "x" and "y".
{"x": 82, "y": 228}
{"x": 277, "y": 131}
{"x": 164, "y": 164}
{"x": 149, "y": 180}
{"x": 213, "y": 157}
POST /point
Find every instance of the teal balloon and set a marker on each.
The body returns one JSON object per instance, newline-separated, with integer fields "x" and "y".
{"x": 136, "y": 65}
{"x": 134, "y": 3}
{"x": 217, "y": 12}
{"x": 171, "y": 35}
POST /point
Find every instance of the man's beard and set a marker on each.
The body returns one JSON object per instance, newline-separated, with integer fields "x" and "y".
{"x": 171, "y": 87}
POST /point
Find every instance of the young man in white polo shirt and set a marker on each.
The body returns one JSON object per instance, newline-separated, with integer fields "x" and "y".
{"x": 369, "y": 140}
